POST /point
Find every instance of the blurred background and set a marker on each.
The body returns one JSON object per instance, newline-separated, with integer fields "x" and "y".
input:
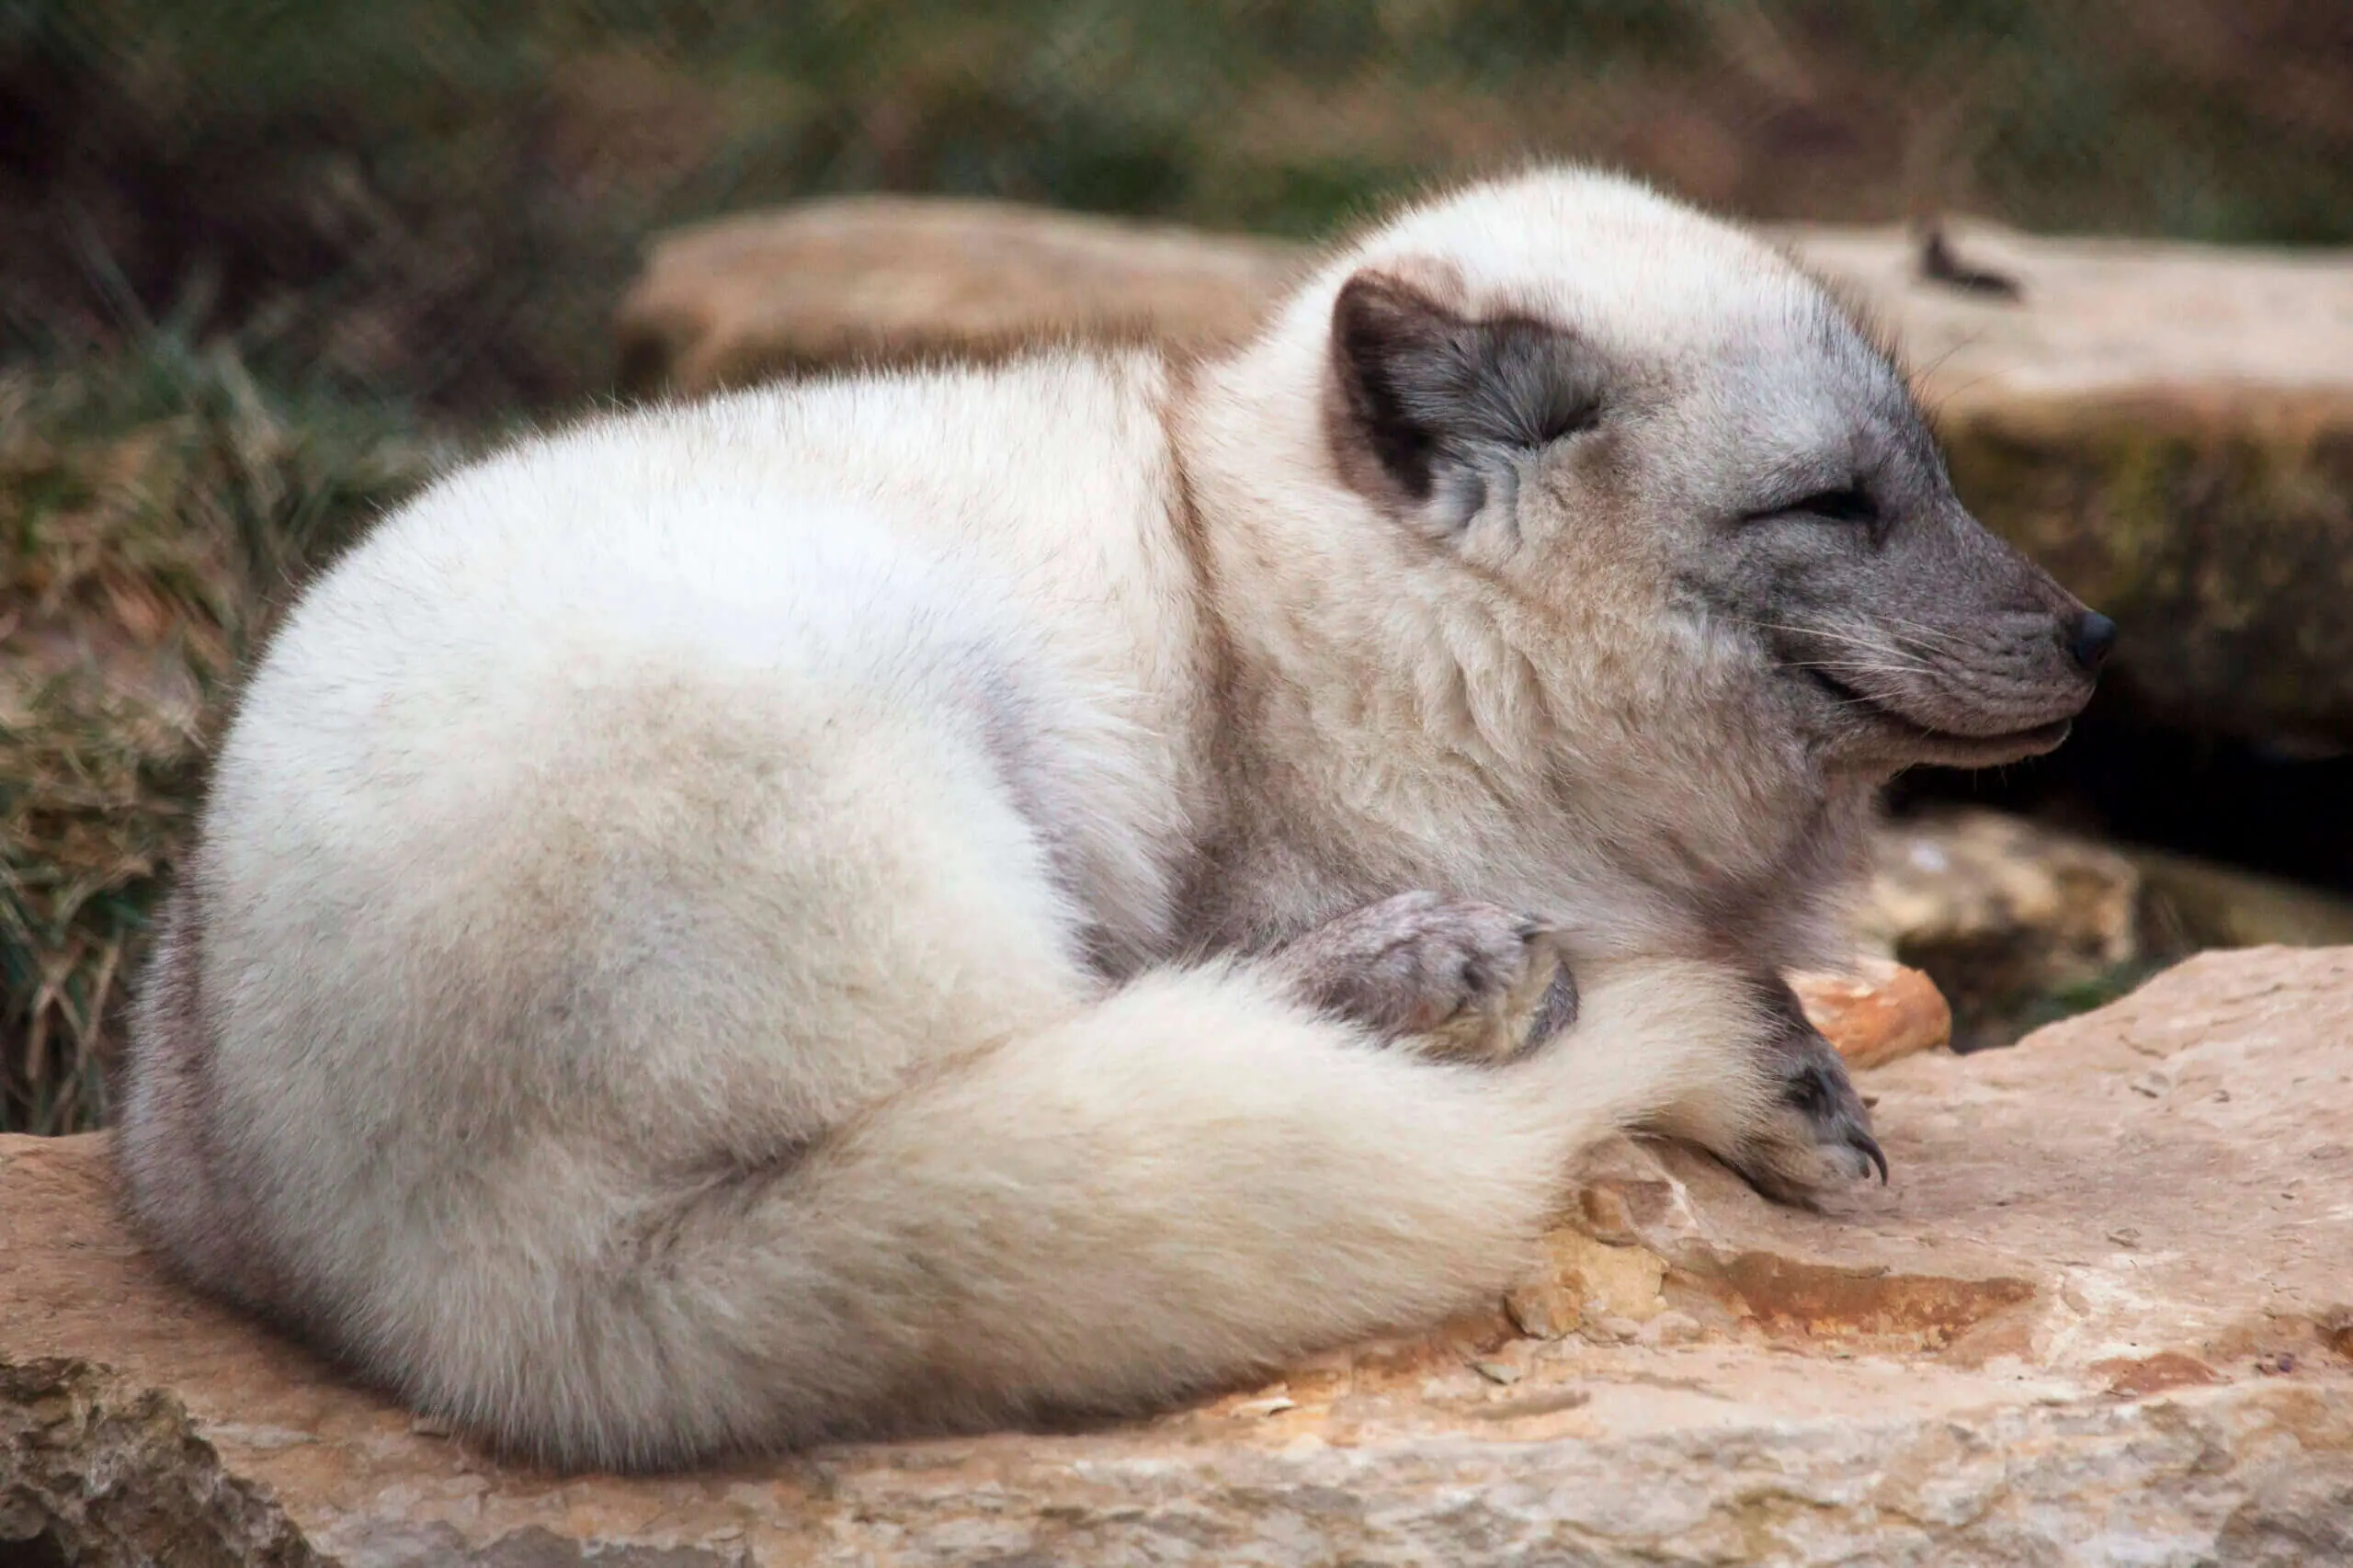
{"x": 264, "y": 264}
{"x": 437, "y": 200}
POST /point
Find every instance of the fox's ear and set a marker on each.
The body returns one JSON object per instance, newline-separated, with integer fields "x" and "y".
{"x": 1419, "y": 393}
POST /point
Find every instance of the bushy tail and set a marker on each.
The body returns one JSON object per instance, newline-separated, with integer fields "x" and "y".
{"x": 1181, "y": 1184}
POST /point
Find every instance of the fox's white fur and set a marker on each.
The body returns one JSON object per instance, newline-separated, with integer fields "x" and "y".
{"x": 740, "y": 924}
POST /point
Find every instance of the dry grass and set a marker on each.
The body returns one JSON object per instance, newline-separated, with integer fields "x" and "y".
{"x": 153, "y": 512}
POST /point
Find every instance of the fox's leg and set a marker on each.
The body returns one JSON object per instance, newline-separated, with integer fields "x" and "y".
{"x": 1473, "y": 981}
{"x": 1452, "y": 977}
{"x": 1808, "y": 1132}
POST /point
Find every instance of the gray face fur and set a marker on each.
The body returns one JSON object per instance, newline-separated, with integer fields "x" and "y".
{"x": 1780, "y": 478}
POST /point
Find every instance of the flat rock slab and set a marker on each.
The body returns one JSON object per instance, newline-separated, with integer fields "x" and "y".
{"x": 900, "y": 280}
{"x": 2168, "y": 427}
{"x": 2104, "y": 1315}
{"x": 829, "y": 283}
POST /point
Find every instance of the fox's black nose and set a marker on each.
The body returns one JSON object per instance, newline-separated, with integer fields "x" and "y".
{"x": 2095, "y": 635}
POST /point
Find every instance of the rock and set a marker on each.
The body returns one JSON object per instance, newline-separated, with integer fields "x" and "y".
{"x": 2014, "y": 921}
{"x": 2001, "y": 913}
{"x": 2191, "y": 903}
{"x": 1605, "y": 1289}
{"x": 1672, "y": 1328}
{"x": 1967, "y": 1368}
{"x": 886, "y": 280}
{"x": 2169, "y": 427}
{"x": 1879, "y": 1012}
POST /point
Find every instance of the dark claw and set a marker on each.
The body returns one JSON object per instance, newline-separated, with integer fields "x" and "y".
{"x": 1869, "y": 1146}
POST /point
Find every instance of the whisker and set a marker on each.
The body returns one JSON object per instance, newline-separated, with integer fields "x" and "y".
{"x": 1857, "y": 666}
{"x": 1915, "y": 653}
{"x": 1826, "y": 632}
{"x": 1928, "y": 637}
{"x": 1883, "y": 659}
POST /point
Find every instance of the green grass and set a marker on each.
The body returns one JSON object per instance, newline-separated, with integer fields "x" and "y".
{"x": 155, "y": 509}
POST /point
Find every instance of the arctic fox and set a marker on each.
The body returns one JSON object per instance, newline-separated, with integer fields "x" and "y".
{"x": 927, "y": 900}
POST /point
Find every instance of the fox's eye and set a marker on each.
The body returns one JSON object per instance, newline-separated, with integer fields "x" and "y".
{"x": 1847, "y": 506}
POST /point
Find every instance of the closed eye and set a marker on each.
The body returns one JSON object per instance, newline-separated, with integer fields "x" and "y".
{"x": 1847, "y": 506}
{"x": 1850, "y": 504}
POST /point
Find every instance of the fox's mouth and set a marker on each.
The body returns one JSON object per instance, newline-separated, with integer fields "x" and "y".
{"x": 1926, "y": 743}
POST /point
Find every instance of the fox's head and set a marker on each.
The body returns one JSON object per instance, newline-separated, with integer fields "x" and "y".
{"x": 1583, "y": 553}
{"x": 1592, "y": 406}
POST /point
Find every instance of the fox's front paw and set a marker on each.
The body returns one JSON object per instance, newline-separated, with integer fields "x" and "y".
{"x": 1451, "y": 977}
{"x": 1813, "y": 1133}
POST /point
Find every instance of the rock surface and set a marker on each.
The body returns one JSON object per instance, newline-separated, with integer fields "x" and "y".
{"x": 2002, "y": 913}
{"x": 2169, "y": 427}
{"x": 2103, "y": 1315}
{"x": 883, "y": 279}
{"x": 2014, "y": 920}
{"x": 2201, "y": 904}
{"x": 1878, "y": 1011}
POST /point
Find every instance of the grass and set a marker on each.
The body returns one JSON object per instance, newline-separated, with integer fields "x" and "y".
{"x": 155, "y": 510}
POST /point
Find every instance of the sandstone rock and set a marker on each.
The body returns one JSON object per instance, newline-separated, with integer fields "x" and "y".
{"x": 2104, "y": 1315}
{"x": 886, "y": 280}
{"x": 1591, "y": 1284}
{"x": 2169, "y": 427}
{"x": 1879, "y": 1012}
{"x": 2198, "y": 904}
{"x": 2001, "y": 913}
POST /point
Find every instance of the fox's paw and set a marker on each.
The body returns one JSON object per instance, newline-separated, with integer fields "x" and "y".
{"x": 1449, "y": 977}
{"x": 1813, "y": 1133}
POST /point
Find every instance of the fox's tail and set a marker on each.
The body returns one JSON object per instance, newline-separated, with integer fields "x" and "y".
{"x": 1185, "y": 1182}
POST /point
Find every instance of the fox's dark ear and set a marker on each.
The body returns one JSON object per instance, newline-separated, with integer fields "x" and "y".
{"x": 1418, "y": 390}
